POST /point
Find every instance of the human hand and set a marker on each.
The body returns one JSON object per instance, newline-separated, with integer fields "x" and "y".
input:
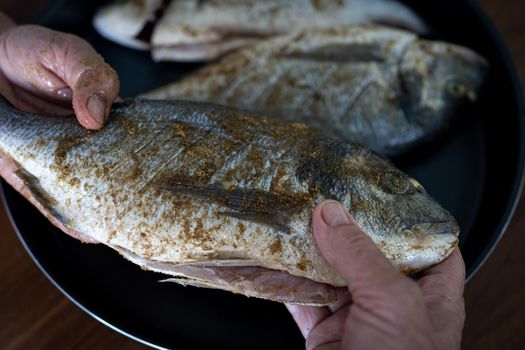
{"x": 382, "y": 308}
{"x": 54, "y": 73}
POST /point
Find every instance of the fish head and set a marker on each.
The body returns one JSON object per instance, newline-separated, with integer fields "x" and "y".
{"x": 436, "y": 78}
{"x": 410, "y": 228}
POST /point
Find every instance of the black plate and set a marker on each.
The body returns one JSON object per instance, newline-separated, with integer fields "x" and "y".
{"x": 474, "y": 170}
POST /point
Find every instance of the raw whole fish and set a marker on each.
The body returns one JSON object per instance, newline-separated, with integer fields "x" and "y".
{"x": 195, "y": 30}
{"x": 217, "y": 198}
{"x": 381, "y": 87}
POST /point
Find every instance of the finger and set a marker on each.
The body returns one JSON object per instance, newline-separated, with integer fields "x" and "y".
{"x": 442, "y": 287}
{"x": 330, "y": 346}
{"x": 307, "y": 317}
{"x": 446, "y": 277}
{"x": 445, "y": 281}
{"x": 344, "y": 298}
{"x": 385, "y": 303}
{"x": 93, "y": 94}
{"x": 37, "y": 100}
{"x": 328, "y": 333}
{"x": 351, "y": 252}
{"x": 94, "y": 83}
{"x": 61, "y": 66}
{"x": 28, "y": 61}
{"x": 28, "y": 102}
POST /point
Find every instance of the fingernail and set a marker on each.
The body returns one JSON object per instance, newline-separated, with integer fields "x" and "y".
{"x": 97, "y": 108}
{"x": 335, "y": 215}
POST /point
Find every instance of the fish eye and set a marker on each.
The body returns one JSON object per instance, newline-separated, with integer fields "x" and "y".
{"x": 396, "y": 184}
{"x": 456, "y": 88}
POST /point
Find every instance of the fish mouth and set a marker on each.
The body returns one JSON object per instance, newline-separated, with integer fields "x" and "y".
{"x": 435, "y": 228}
{"x": 426, "y": 244}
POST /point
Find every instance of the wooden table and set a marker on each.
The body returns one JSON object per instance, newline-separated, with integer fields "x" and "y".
{"x": 35, "y": 315}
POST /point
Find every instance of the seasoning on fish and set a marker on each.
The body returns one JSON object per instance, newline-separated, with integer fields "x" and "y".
{"x": 195, "y": 30}
{"x": 217, "y": 198}
{"x": 384, "y": 88}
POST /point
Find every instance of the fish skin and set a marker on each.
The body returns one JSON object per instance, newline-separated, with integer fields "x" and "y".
{"x": 201, "y": 185}
{"x": 381, "y": 87}
{"x": 195, "y": 30}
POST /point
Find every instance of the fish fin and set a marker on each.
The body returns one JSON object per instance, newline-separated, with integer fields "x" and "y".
{"x": 257, "y": 282}
{"x": 221, "y": 262}
{"x": 253, "y": 281}
{"x": 339, "y": 53}
{"x": 29, "y": 187}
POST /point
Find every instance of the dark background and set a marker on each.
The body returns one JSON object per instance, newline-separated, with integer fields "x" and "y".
{"x": 34, "y": 315}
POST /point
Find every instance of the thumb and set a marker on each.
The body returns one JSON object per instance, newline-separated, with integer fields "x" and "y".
{"x": 387, "y": 308}
{"x": 94, "y": 83}
{"x": 351, "y": 252}
{"x": 93, "y": 95}
{"x": 58, "y": 68}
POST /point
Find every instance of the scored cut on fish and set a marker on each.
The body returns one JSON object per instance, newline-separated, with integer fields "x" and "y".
{"x": 381, "y": 87}
{"x": 215, "y": 197}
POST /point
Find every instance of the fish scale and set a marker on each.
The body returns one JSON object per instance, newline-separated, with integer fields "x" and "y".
{"x": 384, "y": 88}
{"x": 216, "y": 196}
{"x": 253, "y": 84}
{"x": 296, "y": 87}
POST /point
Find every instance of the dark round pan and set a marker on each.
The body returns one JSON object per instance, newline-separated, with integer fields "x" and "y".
{"x": 475, "y": 170}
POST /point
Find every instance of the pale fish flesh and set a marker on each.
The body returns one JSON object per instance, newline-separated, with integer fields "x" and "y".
{"x": 195, "y": 30}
